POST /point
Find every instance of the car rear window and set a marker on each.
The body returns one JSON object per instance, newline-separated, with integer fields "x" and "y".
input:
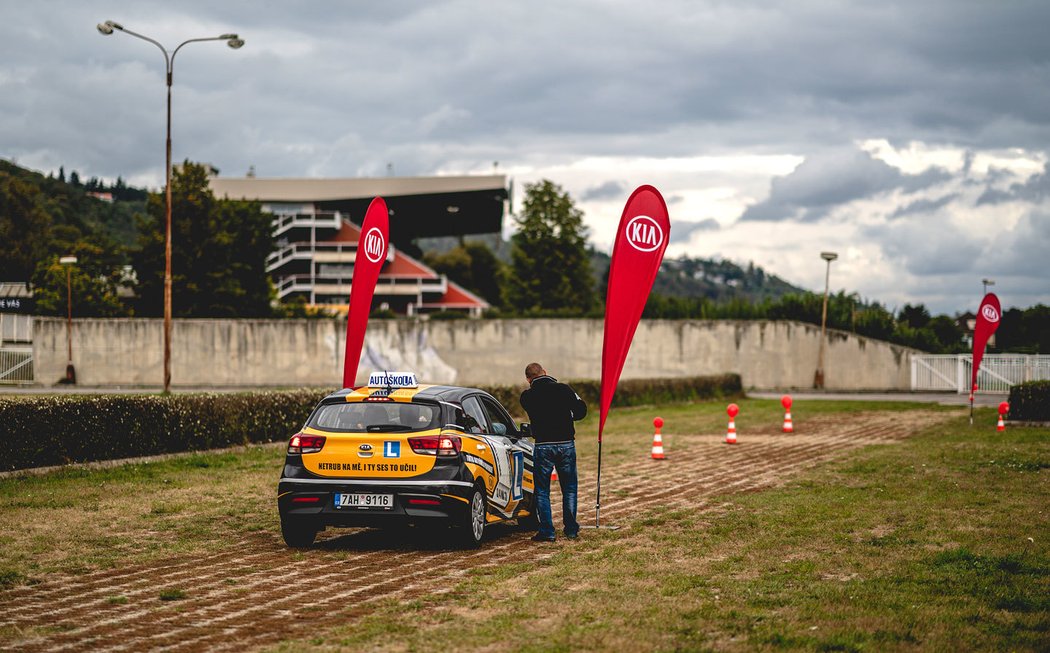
{"x": 374, "y": 417}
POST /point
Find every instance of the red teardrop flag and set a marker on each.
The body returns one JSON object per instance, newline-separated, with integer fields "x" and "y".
{"x": 988, "y": 317}
{"x": 371, "y": 254}
{"x": 639, "y": 248}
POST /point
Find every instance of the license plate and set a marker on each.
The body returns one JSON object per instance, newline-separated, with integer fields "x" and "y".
{"x": 364, "y": 500}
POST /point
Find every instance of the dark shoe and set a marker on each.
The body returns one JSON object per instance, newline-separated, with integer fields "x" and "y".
{"x": 541, "y": 538}
{"x": 572, "y": 537}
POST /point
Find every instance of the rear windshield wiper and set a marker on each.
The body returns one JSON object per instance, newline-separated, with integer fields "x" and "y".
{"x": 387, "y": 428}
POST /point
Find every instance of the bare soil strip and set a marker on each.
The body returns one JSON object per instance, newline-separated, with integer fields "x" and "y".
{"x": 256, "y": 592}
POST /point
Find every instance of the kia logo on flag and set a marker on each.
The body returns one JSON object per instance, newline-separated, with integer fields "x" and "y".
{"x": 644, "y": 234}
{"x": 374, "y": 245}
{"x": 990, "y": 313}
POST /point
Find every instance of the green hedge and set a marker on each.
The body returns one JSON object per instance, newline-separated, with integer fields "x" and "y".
{"x": 1030, "y": 402}
{"x": 636, "y": 392}
{"x": 55, "y": 430}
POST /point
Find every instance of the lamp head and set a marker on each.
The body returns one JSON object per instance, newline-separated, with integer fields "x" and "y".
{"x": 233, "y": 41}
{"x": 67, "y": 260}
{"x": 108, "y": 27}
{"x": 829, "y": 256}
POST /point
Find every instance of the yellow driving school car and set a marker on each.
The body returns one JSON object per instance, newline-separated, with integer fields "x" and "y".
{"x": 395, "y": 452}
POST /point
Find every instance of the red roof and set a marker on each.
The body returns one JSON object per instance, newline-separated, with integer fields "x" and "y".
{"x": 404, "y": 265}
{"x": 458, "y": 297}
{"x": 348, "y": 233}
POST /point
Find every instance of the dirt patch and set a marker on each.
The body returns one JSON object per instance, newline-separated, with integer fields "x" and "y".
{"x": 255, "y": 592}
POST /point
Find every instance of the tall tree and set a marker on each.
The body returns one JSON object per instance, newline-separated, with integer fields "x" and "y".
{"x": 24, "y": 228}
{"x": 474, "y": 267}
{"x": 550, "y": 267}
{"x": 219, "y": 250}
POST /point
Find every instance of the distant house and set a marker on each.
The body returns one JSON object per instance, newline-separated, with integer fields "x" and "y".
{"x": 316, "y": 226}
{"x": 967, "y": 322}
{"x": 105, "y": 197}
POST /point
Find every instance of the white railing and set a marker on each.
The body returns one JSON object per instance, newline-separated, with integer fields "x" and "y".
{"x": 282, "y": 222}
{"x": 340, "y": 285}
{"x": 951, "y": 373}
{"x": 16, "y": 364}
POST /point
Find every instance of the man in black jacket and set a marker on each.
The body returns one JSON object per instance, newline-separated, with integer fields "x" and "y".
{"x": 552, "y": 409}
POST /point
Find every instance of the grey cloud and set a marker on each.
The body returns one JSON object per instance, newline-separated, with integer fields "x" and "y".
{"x": 1035, "y": 189}
{"x": 681, "y": 232}
{"x": 927, "y": 248}
{"x": 546, "y": 77}
{"x": 605, "y": 191}
{"x": 829, "y": 179}
{"x": 923, "y": 206}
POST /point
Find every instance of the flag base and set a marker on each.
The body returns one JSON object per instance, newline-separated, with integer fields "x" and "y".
{"x": 603, "y": 527}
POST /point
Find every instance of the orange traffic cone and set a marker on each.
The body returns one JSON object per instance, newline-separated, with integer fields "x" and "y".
{"x": 554, "y": 474}
{"x": 1004, "y": 408}
{"x": 658, "y": 441}
{"x": 1002, "y": 424}
{"x": 731, "y": 433}
{"x": 785, "y": 401}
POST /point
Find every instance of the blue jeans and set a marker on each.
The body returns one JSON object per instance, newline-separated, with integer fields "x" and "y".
{"x": 563, "y": 458}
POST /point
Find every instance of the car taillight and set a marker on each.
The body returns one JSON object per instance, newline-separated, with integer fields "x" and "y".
{"x": 305, "y": 443}
{"x": 436, "y": 445}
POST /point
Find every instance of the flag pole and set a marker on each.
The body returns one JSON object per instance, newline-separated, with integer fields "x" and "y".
{"x": 598, "y": 492}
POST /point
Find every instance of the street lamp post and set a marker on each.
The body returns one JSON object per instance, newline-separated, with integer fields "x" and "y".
{"x": 985, "y": 283}
{"x": 234, "y": 42}
{"x": 68, "y": 262}
{"x": 818, "y": 377}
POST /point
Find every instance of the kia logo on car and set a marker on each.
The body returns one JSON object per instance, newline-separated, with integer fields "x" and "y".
{"x": 365, "y": 447}
{"x": 644, "y": 234}
{"x": 990, "y": 313}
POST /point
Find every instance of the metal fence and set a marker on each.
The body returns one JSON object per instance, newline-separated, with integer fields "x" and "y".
{"x": 16, "y": 364}
{"x": 951, "y": 373}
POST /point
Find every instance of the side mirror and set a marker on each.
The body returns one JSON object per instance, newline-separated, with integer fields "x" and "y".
{"x": 525, "y": 430}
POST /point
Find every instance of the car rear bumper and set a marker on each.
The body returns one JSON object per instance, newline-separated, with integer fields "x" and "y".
{"x": 413, "y": 501}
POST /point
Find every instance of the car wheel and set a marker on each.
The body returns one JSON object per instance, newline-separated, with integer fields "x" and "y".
{"x": 472, "y": 526}
{"x": 298, "y": 533}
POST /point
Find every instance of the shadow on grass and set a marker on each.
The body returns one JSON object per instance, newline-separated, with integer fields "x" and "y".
{"x": 411, "y": 538}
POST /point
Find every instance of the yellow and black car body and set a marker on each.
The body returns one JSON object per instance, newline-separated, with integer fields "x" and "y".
{"x": 396, "y": 453}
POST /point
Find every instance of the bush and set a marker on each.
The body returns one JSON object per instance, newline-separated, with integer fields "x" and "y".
{"x": 1030, "y": 402}
{"x": 57, "y": 430}
{"x": 635, "y": 392}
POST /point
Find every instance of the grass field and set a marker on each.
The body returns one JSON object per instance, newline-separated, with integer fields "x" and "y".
{"x": 938, "y": 542}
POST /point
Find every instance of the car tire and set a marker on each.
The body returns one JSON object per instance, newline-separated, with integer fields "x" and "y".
{"x": 298, "y": 533}
{"x": 471, "y": 529}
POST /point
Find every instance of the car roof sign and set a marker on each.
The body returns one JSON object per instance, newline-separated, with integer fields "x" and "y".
{"x": 390, "y": 380}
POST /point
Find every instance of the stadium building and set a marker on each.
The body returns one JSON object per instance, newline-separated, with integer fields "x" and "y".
{"x": 317, "y": 226}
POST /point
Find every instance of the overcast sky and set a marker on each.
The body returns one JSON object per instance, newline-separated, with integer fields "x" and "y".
{"x": 912, "y": 138}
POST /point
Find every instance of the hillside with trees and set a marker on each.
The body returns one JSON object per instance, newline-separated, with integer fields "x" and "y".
{"x": 547, "y": 270}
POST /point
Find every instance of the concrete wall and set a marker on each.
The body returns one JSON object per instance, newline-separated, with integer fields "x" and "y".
{"x": 767, "y": 355}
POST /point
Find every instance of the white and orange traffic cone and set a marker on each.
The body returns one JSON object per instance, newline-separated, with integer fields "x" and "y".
{"x": 1004, "y": 408}
{"x": 658, "y": 441}
{"x": 554, "y": 474}
{"x": 785, "y": 401}
{"x": 732, "y": 410}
